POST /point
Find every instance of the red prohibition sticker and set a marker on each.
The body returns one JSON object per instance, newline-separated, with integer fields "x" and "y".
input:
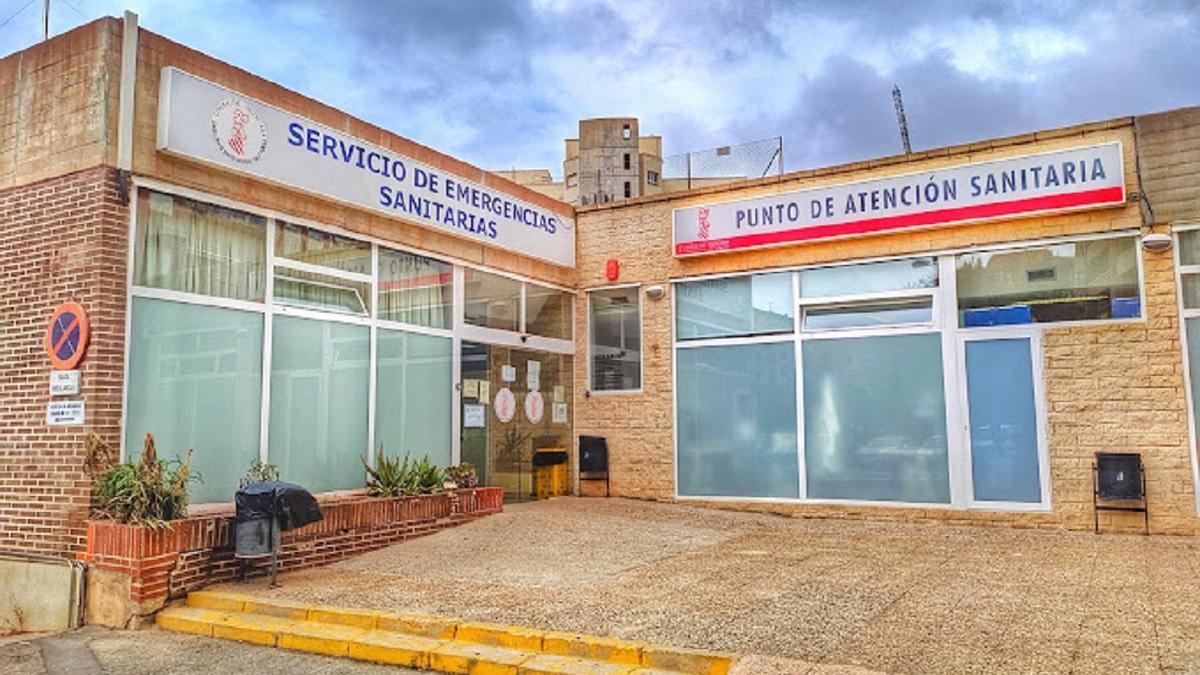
{"x": 67, "y": 336}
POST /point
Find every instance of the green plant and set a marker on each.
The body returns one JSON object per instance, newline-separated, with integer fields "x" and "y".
{"x": 463, "y": 475}
{"x": 259, "y": 472}
{"x": 150, "y": 492}
{"x": 393, "y": 477}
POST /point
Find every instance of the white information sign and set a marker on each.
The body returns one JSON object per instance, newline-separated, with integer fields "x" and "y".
{"x": 209, "y": 123}
{"x": 508, "y": 373}
{"x": 1076, "y": 178}
{"x": 485, "y": 391}
{"x": 64, "y": 382}
{"x": 559, "y": 414}
{"x": 470, "y": 388}
{"x": 474, "y": 416}
{"x": 533, "y": 375}
{"x": 64, "y": 413}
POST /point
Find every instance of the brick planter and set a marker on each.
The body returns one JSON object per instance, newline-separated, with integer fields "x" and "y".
{"x": 133, "y": 570}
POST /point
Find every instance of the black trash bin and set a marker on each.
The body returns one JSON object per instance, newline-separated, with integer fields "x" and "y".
{"x": 263, "y": 511}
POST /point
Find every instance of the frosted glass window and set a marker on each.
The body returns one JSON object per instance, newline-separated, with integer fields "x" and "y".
{"x": 318, "y": 426}
{"x": 746, "y": 305}
{"x": 1190, "y": 284}
{"x": 615, "y": 346}
{"x": 875, "y": 419}
{"x": 1004, "y": 441}
{"x": 548, "y": 312}
{"x": 1072, "y": 281}
{"x": 869, "y": 315}
{"x": 415, "y": 289}
{"x": 1189, "y": 247}
{"x": 491, "y": 301}
{"x": 891, "y": 275}
{"x": 317, "y": 247}
{"x": 190, "y": 246}
{"x": 737, "y": 421}
{"x": 412, "y": 395}
{"x": 195, "y": 381}
{"x": 1193, "y": 350}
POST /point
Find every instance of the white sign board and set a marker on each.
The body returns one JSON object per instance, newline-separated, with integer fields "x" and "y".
{"x": 206, "y": 122}
{"x": 64, "y": 382}
{"x": 474, "y": 416}
{"x": 560, "y": 413}
{"x": 535, "y": 406}
{"x": 64, "y": 413}
{"x": 508, "y": 373}
{"x": 1078, "y": 178}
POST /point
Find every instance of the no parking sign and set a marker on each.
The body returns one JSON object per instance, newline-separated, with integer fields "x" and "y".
{"x": 67, "y": 336}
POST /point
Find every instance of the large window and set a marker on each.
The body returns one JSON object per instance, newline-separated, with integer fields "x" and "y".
{"x": 414, "y": 289}
{"x": 189, "y": 246}
{"x": 615, "y": 339}
{"x": 413, "y": 397}
{"x": 875, "y": 419}
{"x": 330, "y": 315}
{"x": 195, "y": 381}
{"x": 731, "y": 306}
{"x": 737, "y": 421}
{"x": 1070, "y": 281}
{"x": 319, "y": 381}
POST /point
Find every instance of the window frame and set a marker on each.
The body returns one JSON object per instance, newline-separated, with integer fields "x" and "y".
{"x": 953, "y": 338}
{"x": 641, "y": 335}
{"x": 270, "y": 307}
{"x": 1182, "y": 270}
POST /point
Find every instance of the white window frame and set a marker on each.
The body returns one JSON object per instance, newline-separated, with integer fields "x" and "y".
{"x": 269, "y": 308}
{"x": 946, "y": 324}
{"x": 641, "y": 333}
{"x": 1185, "y": 314}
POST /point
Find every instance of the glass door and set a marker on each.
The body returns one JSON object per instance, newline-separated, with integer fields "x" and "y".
{"x": 1004, "y": 427}
{"x": 517, "y": 419}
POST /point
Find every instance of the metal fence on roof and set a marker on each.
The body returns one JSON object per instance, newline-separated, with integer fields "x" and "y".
{"x": 726, "y": 164}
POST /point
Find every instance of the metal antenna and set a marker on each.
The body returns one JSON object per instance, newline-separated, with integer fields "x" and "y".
{"x": 46, "y": 21}
{"x": 900, "y": 118}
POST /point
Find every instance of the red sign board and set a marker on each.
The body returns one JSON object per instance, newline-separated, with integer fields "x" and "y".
{"x": 67, "y": 336}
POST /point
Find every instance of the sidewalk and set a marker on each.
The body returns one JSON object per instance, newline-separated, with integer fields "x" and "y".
{"x": 893, "y": 597}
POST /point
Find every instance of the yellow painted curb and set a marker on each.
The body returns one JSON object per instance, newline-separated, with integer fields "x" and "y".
{"x": 553, "y": 664}
{"x": 475, "y": 659}
{"x": 394, "y": 649}
{"x": 591, "y": 647}
{"x": 500, "y": 635}
{"x": 429, "y": 642}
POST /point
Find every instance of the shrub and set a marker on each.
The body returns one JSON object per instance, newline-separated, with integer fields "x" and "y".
{"x": 259, "y": 472}
{"x": 150, "y": 492}
{"x": 463, "y": 475}
{"x": 392, "y": 477}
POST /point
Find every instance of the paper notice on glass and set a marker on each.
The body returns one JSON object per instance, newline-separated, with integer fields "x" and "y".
{"x": 560, "y": 413}
{"x": 558, "y": 393}
{"x": 474, "y": 416}
{"x": 508, "y": 373}
{"x": 485, "y": 391}
{"x": 471, "y": 388}
{"x": 533, "y": 375}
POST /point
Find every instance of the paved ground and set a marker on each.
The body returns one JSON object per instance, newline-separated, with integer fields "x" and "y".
{"x": 910, "y": 598}
{"x": 96, "y": 651}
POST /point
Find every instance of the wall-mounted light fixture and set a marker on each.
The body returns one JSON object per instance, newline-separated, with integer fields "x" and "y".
{"x": 1157, "y": 243}
{"x": 655, "y": 292}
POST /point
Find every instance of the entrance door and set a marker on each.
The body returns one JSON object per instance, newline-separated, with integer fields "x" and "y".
{"x": 1005, "y": 432}
{"x": 517, "y": 419}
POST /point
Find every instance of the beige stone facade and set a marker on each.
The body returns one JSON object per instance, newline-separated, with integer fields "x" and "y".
{"x": 1108, "y": 387}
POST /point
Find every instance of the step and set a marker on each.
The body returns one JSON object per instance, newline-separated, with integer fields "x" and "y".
{"x": 428, "y": 642}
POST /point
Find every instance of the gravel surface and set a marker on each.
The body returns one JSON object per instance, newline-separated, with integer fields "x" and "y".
{"x": 888, "y": 596}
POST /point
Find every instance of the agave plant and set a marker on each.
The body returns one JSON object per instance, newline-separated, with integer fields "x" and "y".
{"x": 393, "y": 477}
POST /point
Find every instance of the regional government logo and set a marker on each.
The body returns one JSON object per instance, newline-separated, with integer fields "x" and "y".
{"x": 239, "y": 131}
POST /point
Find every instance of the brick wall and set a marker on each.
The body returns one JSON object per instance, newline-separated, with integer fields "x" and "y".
{"x": 62, "y": 239}
{"x": 134, "y": 569}
{"x": 1108, "y": 387}
{"x": 1169, "y": 151}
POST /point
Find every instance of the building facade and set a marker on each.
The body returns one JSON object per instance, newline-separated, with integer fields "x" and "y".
{"x": 946, "y": 336}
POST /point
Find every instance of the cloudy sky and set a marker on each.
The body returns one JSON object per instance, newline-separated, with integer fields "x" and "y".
{"x": 500, "y": 83}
